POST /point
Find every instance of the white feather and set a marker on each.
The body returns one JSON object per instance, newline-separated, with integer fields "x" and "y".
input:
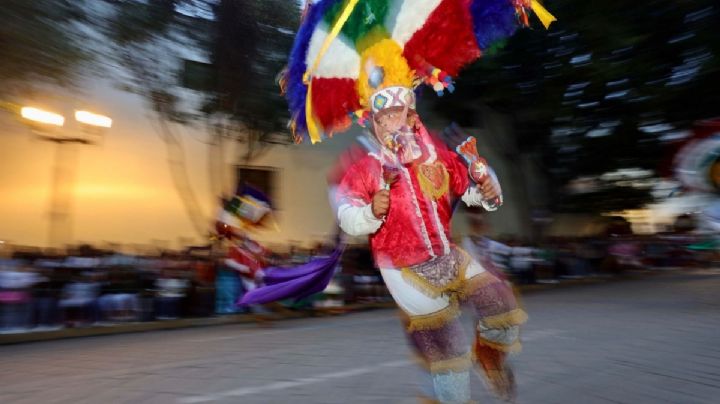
{"x": 406, "y": 17}
{"x": 341, "y": 59}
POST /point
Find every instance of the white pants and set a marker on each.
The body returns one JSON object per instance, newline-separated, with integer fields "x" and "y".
{"x": 413, "y": 301}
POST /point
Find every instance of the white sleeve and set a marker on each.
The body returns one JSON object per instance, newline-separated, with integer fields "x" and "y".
{"x": 473, "y": 197}
{"x": 358, "y": 220}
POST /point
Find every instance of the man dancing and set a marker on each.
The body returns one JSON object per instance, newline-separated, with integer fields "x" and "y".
{"x": 361, "y": 60}
{"x": 401, "y": 195}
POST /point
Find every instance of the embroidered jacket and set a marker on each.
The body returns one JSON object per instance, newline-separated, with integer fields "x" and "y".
{"x": 417, "y": 226}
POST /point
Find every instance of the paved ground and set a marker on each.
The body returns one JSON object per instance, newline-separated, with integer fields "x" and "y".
{"x": 648, "y": 341}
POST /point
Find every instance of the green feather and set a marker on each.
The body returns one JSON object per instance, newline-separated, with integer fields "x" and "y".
{"x": 367, "y": 18}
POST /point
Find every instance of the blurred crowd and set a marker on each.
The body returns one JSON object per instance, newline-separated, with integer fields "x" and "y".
{"x": 39, "y": 292}
{"x": 50, "y": 293}
{"x": 92, "y": 287}
{"x": 560, "y": 258}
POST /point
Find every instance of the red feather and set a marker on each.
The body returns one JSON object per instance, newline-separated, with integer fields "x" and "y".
{"x": 333, "y": 100}
{"x": 446, "y": 41}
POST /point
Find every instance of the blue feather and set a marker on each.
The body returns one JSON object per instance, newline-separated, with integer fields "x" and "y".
{"x": 493, "y": 20}
{"x": 296, "y": 90}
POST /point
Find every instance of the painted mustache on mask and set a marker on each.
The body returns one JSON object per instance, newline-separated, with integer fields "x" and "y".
{"x": 406, "y": 146}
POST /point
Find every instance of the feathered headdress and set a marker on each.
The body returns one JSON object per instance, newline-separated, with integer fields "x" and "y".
{"x": 354, "y": 57}
{"x": 250, "y": 208}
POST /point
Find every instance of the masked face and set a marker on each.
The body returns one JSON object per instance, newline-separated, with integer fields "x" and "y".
{"x": 409, "y": 149}
{"x": 394, "y": 130}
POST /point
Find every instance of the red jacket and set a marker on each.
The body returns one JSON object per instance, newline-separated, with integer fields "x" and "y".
{"x": 417, "y": 226}
{"x": 247, "y": 259}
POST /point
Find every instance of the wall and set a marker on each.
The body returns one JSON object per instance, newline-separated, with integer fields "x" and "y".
{"x": 124, "y": 193}
{"x": 123, "y": 189}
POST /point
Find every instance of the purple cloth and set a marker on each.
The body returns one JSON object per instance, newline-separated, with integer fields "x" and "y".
{"x": 296, "y": 282}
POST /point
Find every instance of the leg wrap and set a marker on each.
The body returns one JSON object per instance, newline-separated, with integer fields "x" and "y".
{"x": 442, "y": 349}
{"x": 495, "y": 370}
{"x": 443, "y": 353}
{"x": 497, "y": 311}
{"x": 498, "y": 330}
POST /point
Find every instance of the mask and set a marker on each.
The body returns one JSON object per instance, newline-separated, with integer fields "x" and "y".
{"x": 408, "y": 149}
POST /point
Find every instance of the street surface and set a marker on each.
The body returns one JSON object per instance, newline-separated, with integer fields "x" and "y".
{"x": 655, "y": 340}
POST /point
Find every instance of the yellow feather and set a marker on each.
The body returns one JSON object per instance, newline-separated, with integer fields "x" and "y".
{"x": 388, "y": 55}
{"x": 542, "y": 14}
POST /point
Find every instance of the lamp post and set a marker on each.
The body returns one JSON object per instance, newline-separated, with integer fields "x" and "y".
{"x": 47, "y": 126}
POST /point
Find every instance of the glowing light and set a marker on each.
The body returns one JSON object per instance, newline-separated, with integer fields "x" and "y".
{"x": 41, "y": 116}
{"x": 89, "y": 118}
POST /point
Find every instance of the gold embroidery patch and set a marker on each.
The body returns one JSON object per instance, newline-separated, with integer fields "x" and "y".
{"x": 434, "y": 179}
{"x": 440, "y": 275}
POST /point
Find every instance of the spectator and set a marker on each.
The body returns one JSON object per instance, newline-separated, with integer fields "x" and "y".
{"x": 79, "y": 301}
{"x": 15, "y": 298}
{"x": 171, "y": 290}
{"x": 46, "y": 297}
{"x": 146, "y": 296}
{"x": 521, "y": 264}
{"x": 493, "y": 255}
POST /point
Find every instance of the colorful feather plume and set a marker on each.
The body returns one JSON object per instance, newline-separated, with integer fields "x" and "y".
{"x": 409, "y": 42}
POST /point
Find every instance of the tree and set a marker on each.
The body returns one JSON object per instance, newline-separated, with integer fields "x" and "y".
{"x": 249, "y": 49}
{"x": 38, "y": 44}
{"x": 149, "y": 37}
{"x": 605, "y": 88}
{"x": 212, "y": 63}
{"x": 238, "y": 46}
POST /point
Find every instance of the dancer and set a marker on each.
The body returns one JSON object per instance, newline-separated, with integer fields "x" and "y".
{"x": 249, "y": 209}
{"x": 361, "y": 61}
{"x": 401, "y": 195}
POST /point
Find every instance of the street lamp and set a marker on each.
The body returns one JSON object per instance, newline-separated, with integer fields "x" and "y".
{"x": 46, "y": 125}
{"x": 40, "y": 116}
{"x": 89, "y": 118}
